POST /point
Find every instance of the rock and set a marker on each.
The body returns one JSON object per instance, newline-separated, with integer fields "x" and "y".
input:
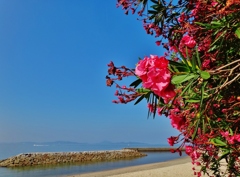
{"x": 31, "y": 159}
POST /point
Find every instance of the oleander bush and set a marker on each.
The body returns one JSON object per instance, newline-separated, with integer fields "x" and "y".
{"x": 196, "y": 81}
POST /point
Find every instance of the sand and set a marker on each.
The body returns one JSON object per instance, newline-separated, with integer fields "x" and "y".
{"x": 181, "y": 167}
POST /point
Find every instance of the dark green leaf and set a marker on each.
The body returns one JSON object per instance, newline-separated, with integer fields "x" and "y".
{"x": 198, "y": 59}
{"x": 139, "y": 99}
{"x": 155, "y": 107}
{"x": 183, "y": 58}
{"x": 223, "y": 33}
{"x": 196, "y": 129}
{"x": 147, "y": 96}
{"x": 224, "y": 153}
{"x": 152, "y": 12}
{"x": 193, "y": 63}
{"x": 154, "y": 1}
{"x": 152, "y": 17}
{"x": 176, "y": 63}
{"x": 202, "y": 93}
{"x": 181, "y": 67}
{"x": 208, "y": 26}
{"x": 136, "y": 83}
{"x": 156, "y": 7}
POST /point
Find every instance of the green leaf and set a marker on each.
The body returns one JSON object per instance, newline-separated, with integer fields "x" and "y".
{"x": 189, "y": 84}
{"x": 142, "y": 90}
{"x": 192, "y": 101}
{"x": 213, "y": 48}
{"x": 202, "y": 93}
{"x": 193, "y": 64}
{"x": 205, "y": 75}
{"x": 183, "y": 58}
{"x": 219, "y": 37}
{"x": 183, "y": 69}
{"x": 224, "y": 153}
{"x": 196, "y": 129}
{"x": 202, "y": 24}
{"x": 179, "y": 67}
{"x": 136, "y": 83}
{"x": 178, "y": 79}
{"x": 217, "y": 23}
{"x": 217, "y": 142}
{"x": 198, "y": 58}
{"x": 237, "y": 32}
{"x": 203, "y": 126}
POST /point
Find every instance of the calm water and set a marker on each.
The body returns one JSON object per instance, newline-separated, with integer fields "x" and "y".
{"x": 8, "y": 150}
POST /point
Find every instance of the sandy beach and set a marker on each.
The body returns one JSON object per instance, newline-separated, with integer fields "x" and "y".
{"x": 181, "y": 167}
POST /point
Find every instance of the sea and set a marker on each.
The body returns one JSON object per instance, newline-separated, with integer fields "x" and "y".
{"x": 60, "y": 170}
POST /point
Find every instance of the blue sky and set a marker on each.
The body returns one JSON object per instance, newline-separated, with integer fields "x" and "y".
{"x": 53, "y": 63}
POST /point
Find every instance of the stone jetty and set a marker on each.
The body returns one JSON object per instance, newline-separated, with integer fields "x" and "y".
{"x": 31, "y": 159}
{"x": 164, "y": 149}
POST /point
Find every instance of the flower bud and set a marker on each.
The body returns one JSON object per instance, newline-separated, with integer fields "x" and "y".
{"x": 238, "y": 98}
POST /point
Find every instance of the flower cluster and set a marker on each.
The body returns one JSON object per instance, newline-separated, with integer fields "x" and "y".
{"x": 154, "y": 73}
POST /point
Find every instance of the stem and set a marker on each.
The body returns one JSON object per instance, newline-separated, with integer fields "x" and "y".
{"x": 228, "y": 64}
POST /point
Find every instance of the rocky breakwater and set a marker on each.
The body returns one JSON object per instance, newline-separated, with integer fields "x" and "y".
{"x": 30, "y": 159}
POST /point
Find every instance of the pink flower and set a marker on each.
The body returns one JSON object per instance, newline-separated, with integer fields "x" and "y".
{"x": 150, "y": 107}
{"x": 155, "y": 76}
{"x": 172, "y": 139}
{"x": 182, "y": 18}
{"x": 189, "y": 150}
{"x": 206, "y": 64}
{"x": 224, "y": 110}
{"x": 237, "y": 138}
{"x": 168, "y": 92}
{"x": 174, "y": 49}
{"x": 214, "y": 3}
{"x": 192, "y": 153}
{"x": 177, "y": 121}
{"x": 231, "y": 139}
{"x": 188, "y": 41}
{"x": 225, "y": 134}
{"x": 158, "y": 43}
{"x": 159, "y": 111}
{"x": 142, "y": 69}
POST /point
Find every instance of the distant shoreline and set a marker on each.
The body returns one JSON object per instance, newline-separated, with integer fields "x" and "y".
{"x": 149, "y": 149}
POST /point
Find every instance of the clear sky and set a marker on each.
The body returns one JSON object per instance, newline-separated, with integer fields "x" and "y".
{"x": 53, "y": 63}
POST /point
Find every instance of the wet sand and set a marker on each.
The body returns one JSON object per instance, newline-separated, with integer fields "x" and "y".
{"x": 181, "y": 167}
